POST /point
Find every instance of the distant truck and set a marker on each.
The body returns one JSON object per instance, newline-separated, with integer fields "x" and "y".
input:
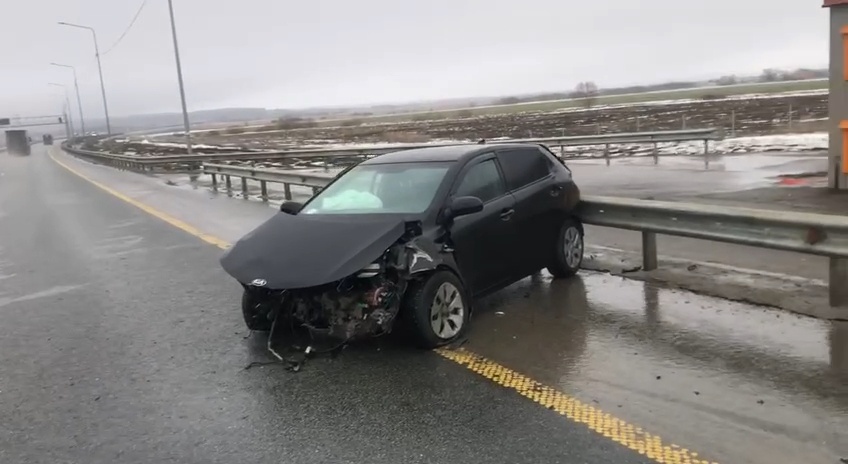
{"x": 48, "y": 139}
{"x": 17, "y": 142}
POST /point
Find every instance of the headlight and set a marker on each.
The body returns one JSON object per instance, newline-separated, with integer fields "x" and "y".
{"x": 371, "y": 270}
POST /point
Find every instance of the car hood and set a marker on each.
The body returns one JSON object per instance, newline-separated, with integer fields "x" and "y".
{"x": 298, "y": 251}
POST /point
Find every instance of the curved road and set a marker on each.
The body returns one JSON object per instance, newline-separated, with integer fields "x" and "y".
{"x": 121, "y": 341}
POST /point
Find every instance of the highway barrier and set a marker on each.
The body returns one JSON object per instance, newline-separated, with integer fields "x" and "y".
{"x": 193, "y": 162}
{"x": 807, "y": 233}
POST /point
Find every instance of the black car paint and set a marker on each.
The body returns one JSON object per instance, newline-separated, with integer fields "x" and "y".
{"x": 488, "y": 250}
{"x": 537, "y": 217}
{"x": 300, "y": 251}
{"x": 514, "y": 235}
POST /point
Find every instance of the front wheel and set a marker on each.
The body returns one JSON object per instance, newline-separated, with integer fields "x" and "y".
{"x": 568, "y": 254}
{"x": 437, "y": 310}
{"x": 255, "y": 311}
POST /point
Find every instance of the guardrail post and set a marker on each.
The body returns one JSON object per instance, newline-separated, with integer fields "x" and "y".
{"x": 287, "y": 189}
{"x": 649, "y": 251}
{"x": 214, "y": 183}
{"x": 706, "y": 153}
{"x": 229, "y": 183}
{"x": 264, "y": 187}
{"x": 656, "y": 154}
{"x": 838, "y": 282}
{"x": 607, "y": 153}
{"x": 244, "y": 187}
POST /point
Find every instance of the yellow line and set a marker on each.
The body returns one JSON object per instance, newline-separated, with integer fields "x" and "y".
{"x": 149, "y": 210}
{"x": 613, "y": 428}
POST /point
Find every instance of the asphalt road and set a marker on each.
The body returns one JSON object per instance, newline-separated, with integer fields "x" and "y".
{"x": 121, "y": 341}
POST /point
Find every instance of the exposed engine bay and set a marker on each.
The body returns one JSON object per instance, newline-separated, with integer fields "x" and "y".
{"x": 359, "y": 306}
{"x": 362, "y": 305}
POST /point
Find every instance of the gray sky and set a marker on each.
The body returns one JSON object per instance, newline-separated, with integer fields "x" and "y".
{"x": 286, "y": 53}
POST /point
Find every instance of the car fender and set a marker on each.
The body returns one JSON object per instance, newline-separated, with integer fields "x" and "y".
{"x": 424, "y": 256}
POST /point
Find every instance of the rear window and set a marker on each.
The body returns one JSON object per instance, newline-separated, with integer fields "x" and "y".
{"x": 523, "y": 166}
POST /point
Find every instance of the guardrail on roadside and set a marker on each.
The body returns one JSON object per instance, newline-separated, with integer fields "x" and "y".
{"x": 813, "y": 234}
{"x": 263, "y": 176}
{"x": 192, "y": 162}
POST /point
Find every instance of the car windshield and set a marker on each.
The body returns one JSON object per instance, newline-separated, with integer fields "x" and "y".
{"x": 405, "y": 188}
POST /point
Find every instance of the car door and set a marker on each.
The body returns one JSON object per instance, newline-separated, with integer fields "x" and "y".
{"x": 530, "y": 180}
{"x": 482, "y": 241}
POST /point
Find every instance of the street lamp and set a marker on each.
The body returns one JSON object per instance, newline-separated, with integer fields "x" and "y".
{"x": 180, "y": 78}
{"x": 99, "y": 69}
{"x": 70, "y": 120}
{"x": 76, "y": 86}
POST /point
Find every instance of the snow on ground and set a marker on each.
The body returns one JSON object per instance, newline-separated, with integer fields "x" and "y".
{"x": 179, "y": 145}
{"x": 749, "y": 96}
{"x": 756, "y": 144}
{"x": 816, "y": 141}
{"x": 689, "y": 101}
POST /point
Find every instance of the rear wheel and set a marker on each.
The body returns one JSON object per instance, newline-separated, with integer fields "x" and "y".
{"x": 437, "y": 310}
{"x": 568, "y": 252}
{"x": 255, "y": 311}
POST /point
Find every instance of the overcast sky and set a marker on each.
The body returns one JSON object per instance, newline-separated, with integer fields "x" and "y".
{"x": 287, "y": 53}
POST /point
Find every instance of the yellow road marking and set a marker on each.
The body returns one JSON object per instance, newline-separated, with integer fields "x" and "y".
{"x": 613, "y": 428}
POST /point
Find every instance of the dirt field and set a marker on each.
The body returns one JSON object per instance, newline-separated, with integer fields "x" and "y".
{"x": 766, "y": 114}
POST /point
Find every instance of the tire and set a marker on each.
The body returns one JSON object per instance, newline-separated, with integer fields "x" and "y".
{"x": 568, "y": 254}
{"x": 255, "y": 315}
{"x": 422, "y": 299}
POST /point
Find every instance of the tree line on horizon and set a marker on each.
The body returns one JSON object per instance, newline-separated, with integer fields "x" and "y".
{"x": 588, "y": 91}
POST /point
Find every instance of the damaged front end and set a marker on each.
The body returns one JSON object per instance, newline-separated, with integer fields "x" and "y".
{"x": 359, "y": 306}
{"x": 366, "y": 303}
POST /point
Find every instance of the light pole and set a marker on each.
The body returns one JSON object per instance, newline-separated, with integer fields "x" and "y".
{"x": 76, "y": 86}
{"x": 99, "y": 70}
{"x": 180, "y": 78}
{"x": 70, "y": 121}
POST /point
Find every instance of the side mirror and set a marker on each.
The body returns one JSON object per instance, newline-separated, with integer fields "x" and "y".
{"x": 462, "y": 206}
{"x": 291, "y": 207}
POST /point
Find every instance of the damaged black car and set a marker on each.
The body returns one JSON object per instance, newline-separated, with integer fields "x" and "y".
{"x": 410, "y": 238}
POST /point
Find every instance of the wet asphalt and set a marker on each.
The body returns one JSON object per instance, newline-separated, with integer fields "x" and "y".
{"x": 121, "y": 341}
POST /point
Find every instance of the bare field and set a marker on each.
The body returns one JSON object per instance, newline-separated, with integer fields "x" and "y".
{"x": 742, "y": 116}
{"x": 553, "y": 105}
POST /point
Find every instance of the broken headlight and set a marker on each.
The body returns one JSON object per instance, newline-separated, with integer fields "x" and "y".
{"x": 371, "y": 270}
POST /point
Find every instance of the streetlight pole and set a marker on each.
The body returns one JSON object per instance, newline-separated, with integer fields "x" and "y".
{"x": 76, "y": 86}
{"x": 70, "y": 121}
{"x": 99, "y": 70}
{"x": 180, "y": 78}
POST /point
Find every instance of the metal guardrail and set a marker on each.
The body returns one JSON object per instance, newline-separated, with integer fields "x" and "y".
{"x": 263, "y": 176}
{"x": 193, "y": 162}
{"x": 813, "y": 234}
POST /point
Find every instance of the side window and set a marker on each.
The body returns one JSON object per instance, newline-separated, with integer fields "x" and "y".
{"x": 483, "y": 181}
{"x": 523, "y": 166}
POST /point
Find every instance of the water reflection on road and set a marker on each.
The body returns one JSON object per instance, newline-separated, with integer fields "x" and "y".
{"x": 744, "y": 383}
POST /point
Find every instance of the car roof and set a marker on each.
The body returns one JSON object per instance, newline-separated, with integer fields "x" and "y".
{"x": 442, "y": 153}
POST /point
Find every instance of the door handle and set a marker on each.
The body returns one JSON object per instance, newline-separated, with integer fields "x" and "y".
{"x": 506, "y": 214}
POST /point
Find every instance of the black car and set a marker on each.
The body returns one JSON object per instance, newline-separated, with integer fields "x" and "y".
{"x": 411, "y": 237}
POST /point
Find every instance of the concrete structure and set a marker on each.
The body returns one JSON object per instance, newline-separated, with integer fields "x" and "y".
{"x": 838, "y": 100}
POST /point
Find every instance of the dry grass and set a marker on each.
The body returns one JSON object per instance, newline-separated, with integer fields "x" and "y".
{"x": 406, "y": 137}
